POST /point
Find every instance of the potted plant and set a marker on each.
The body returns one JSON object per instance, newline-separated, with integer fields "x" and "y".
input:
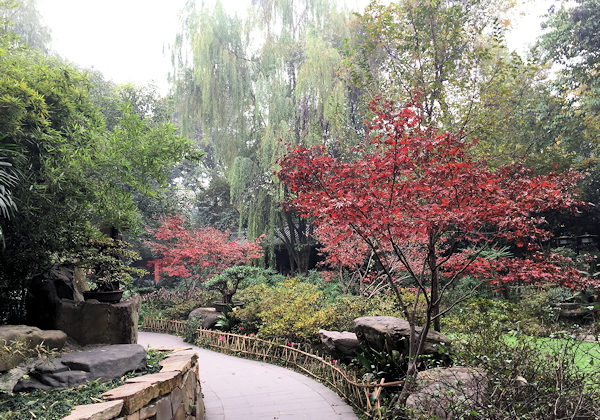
{"x": 107, "y": 262}
{"x": 228, "y": 282}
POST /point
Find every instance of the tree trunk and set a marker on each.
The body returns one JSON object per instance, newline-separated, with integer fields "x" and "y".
{"x": 435, "y": 284}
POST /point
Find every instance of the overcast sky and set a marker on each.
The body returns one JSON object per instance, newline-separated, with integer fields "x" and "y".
{"x": 126, "y": 39}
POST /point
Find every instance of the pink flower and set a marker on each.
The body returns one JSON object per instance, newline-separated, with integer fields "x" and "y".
{"x": 222, "y": 337}
{"x": 334, "y": 361}
{"x": 241, "y": 328}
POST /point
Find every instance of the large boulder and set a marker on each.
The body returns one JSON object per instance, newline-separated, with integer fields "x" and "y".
{"x": 73, "y": 369}
{"x": 18, "y": 342}
{"x": 209, "y": 316}
{"x": 93, "y": 322}
{"x": 446, "y": 393}
{"x": 343, "y": 344}
{"x": 372, "y": 331}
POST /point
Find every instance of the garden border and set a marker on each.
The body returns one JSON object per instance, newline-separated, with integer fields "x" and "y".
{"x": 362, "y": 395}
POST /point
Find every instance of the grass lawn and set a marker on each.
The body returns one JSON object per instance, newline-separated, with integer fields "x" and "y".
{"x": 586, "y": 355}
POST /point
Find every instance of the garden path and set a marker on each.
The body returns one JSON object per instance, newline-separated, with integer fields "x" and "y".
{"x": 242, "y": 389}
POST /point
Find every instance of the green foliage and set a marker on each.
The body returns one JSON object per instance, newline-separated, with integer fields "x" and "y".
{"x": 172, "y": 304}
{"x": 292, "y": 311}
{"x": 69, "y": 175}
{"x": 437, "y": 48}
{"x": 189, "y": 336}
{"x": 388, "y": 364}
{"x": 331, "y": 289}
{"x": 8, "y": 180}
{"x": 485, "y": 318}
{"x": 228, "y": 321}
{"x": 180, "y": 311}
{"x": 230, "y": 279}
{"x": 464, "y": 286}
{"x": 347, "y": 308}
{"x": 214, "y": 205}
{"x": 572, "y": 41}
{"x": 108, "y": 260}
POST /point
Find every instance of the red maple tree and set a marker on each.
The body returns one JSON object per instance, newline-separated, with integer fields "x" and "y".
{"x": 426, "y": 201}
{"x": 197, "y": 254}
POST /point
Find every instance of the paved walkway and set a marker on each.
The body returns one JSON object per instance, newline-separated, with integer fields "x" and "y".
{"x": 242, "y": 389}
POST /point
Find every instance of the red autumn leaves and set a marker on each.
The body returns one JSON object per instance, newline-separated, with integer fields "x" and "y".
{"x": 198, "y": 253}
{"x": 408, "y": 191}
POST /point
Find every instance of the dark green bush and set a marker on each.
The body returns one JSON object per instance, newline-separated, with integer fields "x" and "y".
{"x": 172, "y": 304}
{"x": 181, "y": 310}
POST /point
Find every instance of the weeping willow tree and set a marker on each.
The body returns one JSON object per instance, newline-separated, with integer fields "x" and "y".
{"x": 248, "y": 89}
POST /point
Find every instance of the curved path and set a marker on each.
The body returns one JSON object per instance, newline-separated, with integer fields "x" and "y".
{"x": 242, "y": 389}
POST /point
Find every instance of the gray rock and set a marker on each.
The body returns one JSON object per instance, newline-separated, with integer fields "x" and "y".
{"x": 373, "y": 330}
{"x": 9, "y": 379}
{"x": 73, "y": 369}
{"x": 445, "y": 393}
{"x": 209, "y": 316}
{"x": 112, "y": 361}
{"x": 92, "y": 322}
{"x": 344, "y": 344}
{"x": 17, "y": 342}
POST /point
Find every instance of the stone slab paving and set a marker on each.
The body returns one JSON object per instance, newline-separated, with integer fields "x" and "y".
{"x": 242, "y": 389}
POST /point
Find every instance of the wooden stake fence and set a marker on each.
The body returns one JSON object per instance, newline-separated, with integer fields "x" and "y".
{"x": 363, "y": 395}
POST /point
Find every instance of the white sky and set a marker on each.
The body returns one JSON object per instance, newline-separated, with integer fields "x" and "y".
{"x": 125, "y": 39}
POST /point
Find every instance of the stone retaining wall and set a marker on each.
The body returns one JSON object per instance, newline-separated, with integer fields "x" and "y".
{"x": 173, "y": 393}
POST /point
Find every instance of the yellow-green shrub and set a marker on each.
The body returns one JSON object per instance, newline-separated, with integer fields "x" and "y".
{"x": 292, "y": 310}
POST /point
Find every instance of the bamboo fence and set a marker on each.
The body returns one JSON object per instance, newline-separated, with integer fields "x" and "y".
{"x": 364, "y": 395}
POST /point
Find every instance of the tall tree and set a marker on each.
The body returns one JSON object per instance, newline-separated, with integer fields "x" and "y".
{"x": 74, "y": 175}
{"x": 435, "y": 49}
{"x": 571, "y": 42}
{"x": 241, "y": 96}
{"x": 419, "y": 197}
{"x": 452, "y": 56}
{"x": 21, "y": 17}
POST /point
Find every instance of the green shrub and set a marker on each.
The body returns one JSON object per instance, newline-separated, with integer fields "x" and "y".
{"x": 481, "y": 316}
{"x": 172, "y": 304}
{"x": 249, "y": 320}
{"x": 189, "y": 336}
{"x": 294, "y": 311}
{"x": 331, "y": 289}
{"x": 467, "y": 286}
{"x": 291, "y": 311}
